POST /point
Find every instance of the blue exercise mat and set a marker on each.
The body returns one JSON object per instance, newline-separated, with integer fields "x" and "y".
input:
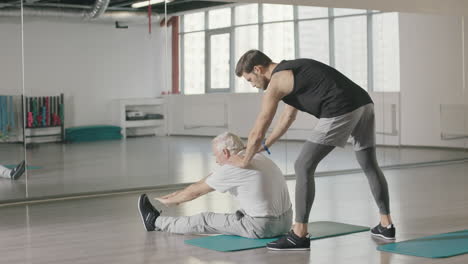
{"x": 227, "y": 243}
{"x": 436, "y": 246}
{"x": 12, "y": 166}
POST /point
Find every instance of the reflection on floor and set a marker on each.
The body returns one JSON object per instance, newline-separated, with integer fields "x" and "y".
{"x": 424, "y": 201}
{"x": 154, "y": 161}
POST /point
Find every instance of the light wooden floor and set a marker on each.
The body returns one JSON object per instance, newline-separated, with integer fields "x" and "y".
{"x": 424, "y": 201}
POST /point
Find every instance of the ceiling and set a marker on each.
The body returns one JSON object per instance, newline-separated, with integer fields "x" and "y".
{"x": 438, "y": 7}
{"x": 176, "y": 6}
{"x": 444, "y": 7}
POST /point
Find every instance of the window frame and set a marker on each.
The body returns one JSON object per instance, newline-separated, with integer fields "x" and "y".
{"x": 208, "y": 34}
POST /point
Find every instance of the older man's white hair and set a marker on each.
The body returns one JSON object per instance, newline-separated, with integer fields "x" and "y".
{"x": 229, "y": 141}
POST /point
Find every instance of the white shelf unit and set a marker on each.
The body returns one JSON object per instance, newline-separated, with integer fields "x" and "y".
{"x": 147, "y": 105}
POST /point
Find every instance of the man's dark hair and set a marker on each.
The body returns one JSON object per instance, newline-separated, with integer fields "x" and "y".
{"x": 250, "y": 59}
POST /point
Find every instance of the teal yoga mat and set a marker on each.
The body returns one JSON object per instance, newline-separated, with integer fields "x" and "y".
{"x": 436, "y": 246}
{"x": 12, "y": 166}
{"x": 318, "y": 230}
{"x": 92, "y": 133}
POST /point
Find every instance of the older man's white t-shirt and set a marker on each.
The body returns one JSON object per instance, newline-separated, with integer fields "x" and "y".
{"x": 260, "y": 188}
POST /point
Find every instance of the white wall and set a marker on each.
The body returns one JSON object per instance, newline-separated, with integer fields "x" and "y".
{"x": 431, "y": 60}
{"x": 387, "y": 109}
{"x": 211, "y": 114}
{"x": 10, "y": 69}
{"x": 92, "y": 64}
{"x": 10, "y": 57}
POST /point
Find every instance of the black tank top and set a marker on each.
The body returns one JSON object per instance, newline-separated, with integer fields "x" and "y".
{"x": 321, "y": 90}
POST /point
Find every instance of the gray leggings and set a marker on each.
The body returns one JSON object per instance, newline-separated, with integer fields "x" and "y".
{"x": 229, "y": 224}
{"x": 306, "y": 163}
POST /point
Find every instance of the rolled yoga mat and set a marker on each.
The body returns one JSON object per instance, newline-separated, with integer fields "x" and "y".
{"x": 436, "y": 246}
{"x": 12, "y": 166}
{"x": 227, "y": 243}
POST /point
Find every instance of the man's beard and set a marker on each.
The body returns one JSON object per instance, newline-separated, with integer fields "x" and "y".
{"x": 264, "y": 83}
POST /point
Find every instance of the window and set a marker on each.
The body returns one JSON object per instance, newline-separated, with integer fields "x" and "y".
{"x": 314, "y": 40}
{"x": 351, "y": 48}
{"x": 386, "y": 59}
{"x": 363, "y": 44}
{"x": 219, "y": 61}
{"x": 219, "y": 18}
{"x": 246, "y": 14}
{"x": 278, "y": 41}
{"x": 193, "y": 22}
{"x": 246, "y": 39}
{"x": 347, "y": 11}
{"x": 194, "y": 63}
{"x": 304, "y": 12}
{"x": 274, "y": 12}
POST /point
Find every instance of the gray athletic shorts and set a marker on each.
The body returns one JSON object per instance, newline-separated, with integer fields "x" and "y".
{"x": 358, "y": 124}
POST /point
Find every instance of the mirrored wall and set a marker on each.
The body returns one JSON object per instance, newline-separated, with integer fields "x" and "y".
{"x": 93, "y": 81}
{"x": 109, "y": 96}
{"x": 12, "y": 152}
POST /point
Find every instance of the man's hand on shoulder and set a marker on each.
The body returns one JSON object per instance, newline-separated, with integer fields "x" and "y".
{"x": 260, "y": 149}
{"x": 237, "y": 161}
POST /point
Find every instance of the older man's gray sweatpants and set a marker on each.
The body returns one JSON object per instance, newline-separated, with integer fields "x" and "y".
{"x": 228, "y": 224}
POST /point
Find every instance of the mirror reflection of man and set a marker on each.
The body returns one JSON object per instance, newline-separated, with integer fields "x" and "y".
{"x": 13, "y": 174}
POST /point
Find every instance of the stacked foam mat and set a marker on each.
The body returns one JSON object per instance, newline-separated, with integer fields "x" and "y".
{"x": 92, "y": 133}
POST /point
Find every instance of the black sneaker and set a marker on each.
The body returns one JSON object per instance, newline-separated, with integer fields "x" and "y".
{"x": 290, "y": 242}
{"x": 147, "y": 212}
{"x": 384, "y": 232}
{"x": 18, "y": 171}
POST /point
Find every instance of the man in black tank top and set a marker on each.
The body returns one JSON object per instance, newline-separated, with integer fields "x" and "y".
{"x": 344, "y": 110}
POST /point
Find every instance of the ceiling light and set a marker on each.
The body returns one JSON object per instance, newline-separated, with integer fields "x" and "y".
{"x": 146, "y": 3}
